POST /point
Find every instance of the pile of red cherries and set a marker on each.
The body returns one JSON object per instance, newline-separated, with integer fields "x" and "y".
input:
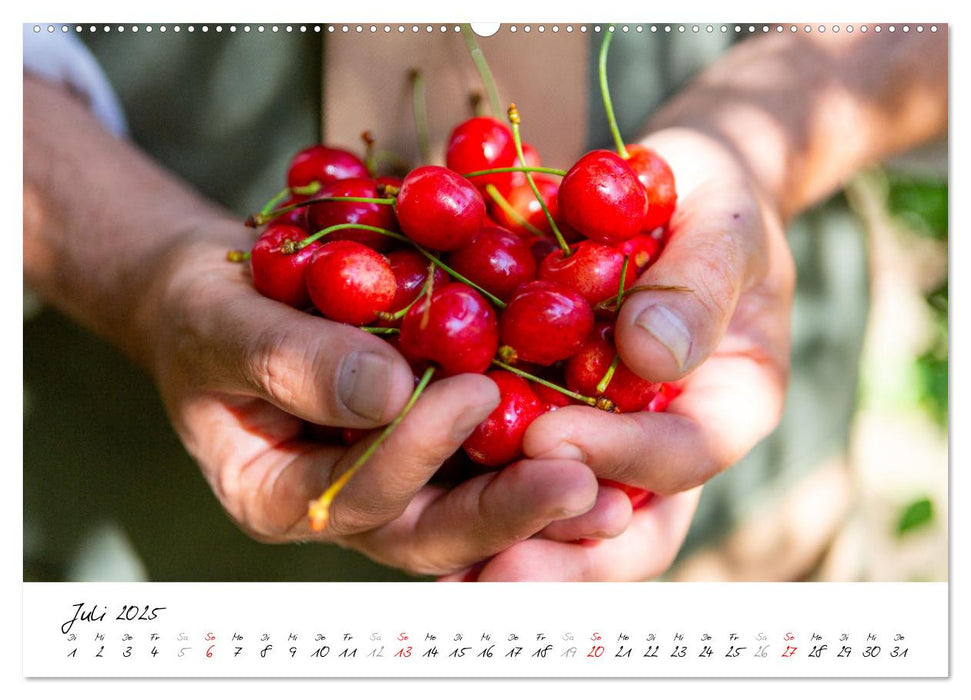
{"x": 517, "y": 272}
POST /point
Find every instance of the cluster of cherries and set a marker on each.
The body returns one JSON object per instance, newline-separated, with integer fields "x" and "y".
{"x": 493, "y": 264}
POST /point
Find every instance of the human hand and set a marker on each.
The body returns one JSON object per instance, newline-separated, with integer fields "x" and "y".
{"x": 242, "y": 378}
{"x": 727, "y": 340}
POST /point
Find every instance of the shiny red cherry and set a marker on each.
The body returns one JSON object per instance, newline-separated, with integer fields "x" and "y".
{"x": 496, "y": 260}
{"x": 279, "y": 275}
{"x": 588, "y": 366}
{"x": 410, "y": 270}
{"x": 456, "y": 329}
{"x": 665, "y": 395}
{"x": 550, "y": 398}
{"x": 349, "y": 282}
{"x": 323, "y": 164}
{"x": 545, "y": 322}
{"x": 522, "y": 200}
{"x": 438, "y": 208}
{"x": 643, "y": 249}
{"x": 498, "y": 440}
{"x": 592, "y": 269}
{"x": 601, "y": 197}
{"x": 482, "y": 143}
{"x": 325, "y": 214}
{"x": 658, "y": 180}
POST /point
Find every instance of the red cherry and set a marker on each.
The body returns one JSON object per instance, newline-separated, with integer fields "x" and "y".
{"x": 601, "y": 197}
{"x": 586, "y": 369}
{"x": 496, "y": 260}
{"x": 482, "y": 143}
{"x": 522, "y": 200}
{"x": 642, "y": 250}
{"x": 410, "y": 270}
{"x": 665, "y": 395}
{"x": 658, "y": 180}
{"x": 551, "y": 398}
{"x": 328, "y": 214}
{"x": 350, "y": 282}
{"x": 279, "y": 275}
{"x": 438, "y": 208}
{"x": 323, "y": 164}
{"x": 498, "y": 440}
{"x": 593, "y": 270}
{"x": 638, "y": 496}
{"x": 545, "y": 322}
{"x": 457, "y": 330}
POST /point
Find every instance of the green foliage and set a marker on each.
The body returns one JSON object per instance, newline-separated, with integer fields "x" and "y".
{"x": 921, "y": 203}
{"x": 917, "y": 514}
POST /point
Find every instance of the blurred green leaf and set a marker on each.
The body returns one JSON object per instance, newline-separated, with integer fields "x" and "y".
{"x": 921, "y": 203}
{"x": 918, "y": 513}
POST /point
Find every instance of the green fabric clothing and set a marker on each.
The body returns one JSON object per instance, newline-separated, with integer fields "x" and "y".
{"x": 105, "y": 478}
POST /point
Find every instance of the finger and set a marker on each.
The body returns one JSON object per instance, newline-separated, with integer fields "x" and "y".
{"x": 645, "y": 550}
{"x": 321, "y": 371}
{"x": 609, "y": 517}
{"x": 437, "y": 425}
{"x": 716, "y": 251}
{"x": 442, "y": 531}
{"x": 727, "y": 406}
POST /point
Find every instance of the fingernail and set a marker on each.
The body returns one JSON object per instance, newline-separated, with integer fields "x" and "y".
{"x": 565, "y": 450}
{"x": 669, "y": 330}
{"x": 365, "y": 383}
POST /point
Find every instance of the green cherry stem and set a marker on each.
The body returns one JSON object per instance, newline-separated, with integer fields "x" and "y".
{"x": 504, "y": 204}
{"x": 608, "y": 375}
{"x": 481, "y": 65}
{"x": 623, "y": 277}
{"x": 518, "y": 141}
{"x": 378, "y": 330}
{"x": 517, "y": 169}
{"x": 421, "y": 114}
{"x": 280, "y": 196}
{"x": 238, "y": 256}
{"x": 601, "y": 403}
{"x": 319, "y": 510}
{"x": 605, "y": 94}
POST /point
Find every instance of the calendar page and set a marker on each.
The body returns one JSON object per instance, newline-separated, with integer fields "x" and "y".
{"x": 525, "y": 349}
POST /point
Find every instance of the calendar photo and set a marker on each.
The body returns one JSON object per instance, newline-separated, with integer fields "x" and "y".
{"x": 416, "y": 304}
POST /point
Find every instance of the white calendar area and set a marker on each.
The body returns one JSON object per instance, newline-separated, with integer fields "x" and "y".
{"x": 495, "y": 630}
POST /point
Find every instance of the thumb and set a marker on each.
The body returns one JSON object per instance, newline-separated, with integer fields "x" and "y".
{"x": 715, "y": 253}
{"x": 318, "y": 370}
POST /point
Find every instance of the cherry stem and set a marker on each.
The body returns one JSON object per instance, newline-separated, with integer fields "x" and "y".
{"x": 517, "y": 169}
{"x": 608, "y": 375}
{"x": 280, "y": 196}
{"x": 238, "y": 256}
{"x": 518, "y": 141}
{"x": 481, "y": 65}
{"x": 475, "y": 103}
{"x": 369, "y": 162}
{"x": 623, "y": 277}
{"x": 504, "y": 204}
{"x": 319, "y": 510}
{"x": 262, "y": 218}
{"x": 397, "y": 163}
{"x": 605, "y": 93}
{"x": 421, "y": 114}
{"x": 378, "y": 330}
{"x": 600, "y": 403}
